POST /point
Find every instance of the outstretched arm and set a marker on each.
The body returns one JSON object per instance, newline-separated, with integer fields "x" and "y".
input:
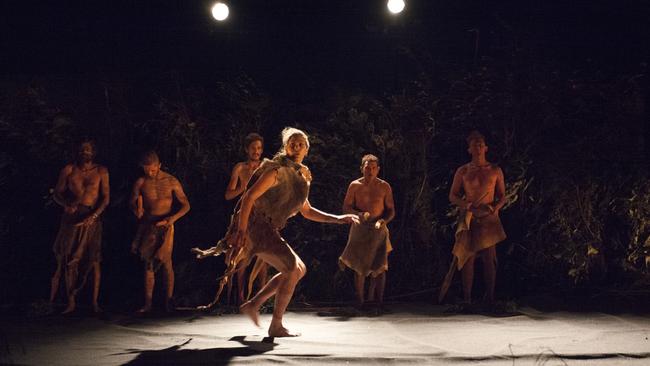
{"x": 313, "y": 214}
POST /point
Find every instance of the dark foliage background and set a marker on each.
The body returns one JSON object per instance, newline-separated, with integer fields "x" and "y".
{"x": 568, "y": 128}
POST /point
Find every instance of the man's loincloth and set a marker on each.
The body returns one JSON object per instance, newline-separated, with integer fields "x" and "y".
{"x": 78, "y": 247}
{"x": 367, "y": 249}
{"x": 81, "y": 243}
{"x": 476, "y": 234}
{"x": 154, "y": 243}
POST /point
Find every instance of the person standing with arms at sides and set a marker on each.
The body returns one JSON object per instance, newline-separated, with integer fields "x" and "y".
{"x": 366, "y": 252}
{"x": 83, "y": 191}
{"x": 152, "y": 199}
{"x": 478, "y": 189}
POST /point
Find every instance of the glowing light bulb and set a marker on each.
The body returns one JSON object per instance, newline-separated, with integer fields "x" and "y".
{"x": 395, "y": 6}
{"x": 220, "y": 11}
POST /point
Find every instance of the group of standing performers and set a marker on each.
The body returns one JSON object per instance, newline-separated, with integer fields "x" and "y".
{"x": 271, "y": 191}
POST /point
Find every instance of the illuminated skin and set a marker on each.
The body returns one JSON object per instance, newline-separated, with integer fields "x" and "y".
{"x": 153, "y": 195}
{"x": 481, "y": 182}
{"x": 284, "y": 282}
{"x": 239, "y": 178}
{"x": 371, "y": 199}
{"x": 84, "y": 183}
{"x": 243, "y": 171}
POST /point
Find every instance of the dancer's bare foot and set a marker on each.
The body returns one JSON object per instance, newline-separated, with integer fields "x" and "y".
{"x": 249, "y": 309}
{"x": 280, "y": 331}
{"x": 145, "y": 309}
{"x": 97, "y": 309}
{"x": 70, "y": 308}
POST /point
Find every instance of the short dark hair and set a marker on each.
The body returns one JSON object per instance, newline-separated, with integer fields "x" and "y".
{"x": 252, "y": 137}
{"x": 88, "y": 140}
{"x": 474, "y": 135}
{"x": 149, "y": 157}
{"x": 369, "y": 158}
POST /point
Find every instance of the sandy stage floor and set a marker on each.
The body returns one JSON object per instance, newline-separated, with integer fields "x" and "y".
{"x": 408, "y": 334}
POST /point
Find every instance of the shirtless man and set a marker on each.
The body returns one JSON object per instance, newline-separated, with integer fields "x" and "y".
{"x": 280, "y": 190}
{"x": 151, "y": 202}
{"x": 478, "y": 190}
{"x": 241, "y": 173}
{"x": 78, "y": 244}
{"x": 368, "y": 245}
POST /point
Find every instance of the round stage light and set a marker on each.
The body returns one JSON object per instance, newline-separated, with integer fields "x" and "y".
{"x": 395, "y": 6}
{"x": 220, "y": 11}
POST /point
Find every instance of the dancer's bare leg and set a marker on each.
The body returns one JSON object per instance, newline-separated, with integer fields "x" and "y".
{"x": 97, "y": 277}
{"x": 359, "y": 285}
{"x": 376, "y": 291}
{"x": 282, "y": 285}
{"x": 241, "y": 279}
{"x": 56, "y": 277}
{"x": 468, "y": 279}
{"x": 168, "y": 269}
{"x": 489, "y": 272}
{"x": 149, "y": 281}
{"x": 72, "y": 272}
{"x": 263, "y": 276}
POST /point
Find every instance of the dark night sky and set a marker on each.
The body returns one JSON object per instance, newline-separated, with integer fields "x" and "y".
{"x": 283, "y": 41}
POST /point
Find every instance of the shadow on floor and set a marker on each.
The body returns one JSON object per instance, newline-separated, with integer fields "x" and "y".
{"x": 174, "y": 355}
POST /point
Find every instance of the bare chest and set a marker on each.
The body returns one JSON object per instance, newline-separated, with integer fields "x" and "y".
{"x": 368, "y": 195}
{"x": 476, "y": 179}
{"x": 154, "y": 190}
{"x": 83, "y": 181}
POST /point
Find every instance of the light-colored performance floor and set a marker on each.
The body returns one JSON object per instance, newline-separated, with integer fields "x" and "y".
{"x": 408, "y": 334}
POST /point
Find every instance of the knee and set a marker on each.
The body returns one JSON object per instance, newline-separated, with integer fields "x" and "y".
{"x": 300, "y": 270}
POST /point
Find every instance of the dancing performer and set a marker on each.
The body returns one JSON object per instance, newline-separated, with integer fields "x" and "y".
{"x": 277, "y": 191}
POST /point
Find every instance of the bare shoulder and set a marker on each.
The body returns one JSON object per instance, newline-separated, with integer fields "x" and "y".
{"x": 139, "y": 182}
{"x": 384, "y": 185}
{"x": 239, "y": 166}
{"x": 67, "y": 169}
{"x": 102, "y": 170}
{"x": 496, "y": 168}
{"x": 355, "y": 183}
{"x": 462, "y": 169}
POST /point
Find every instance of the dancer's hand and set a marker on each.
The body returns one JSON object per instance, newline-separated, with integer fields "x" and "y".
{"x": 168, "y": 221}
{"x": 348, "y": 219}
{"x": 380, "y": 223}
{"x": 88, "y": 220}
{"x": 364, "y": 216}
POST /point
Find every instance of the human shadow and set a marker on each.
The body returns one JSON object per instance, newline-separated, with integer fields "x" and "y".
{"x": 174, "y": 355}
